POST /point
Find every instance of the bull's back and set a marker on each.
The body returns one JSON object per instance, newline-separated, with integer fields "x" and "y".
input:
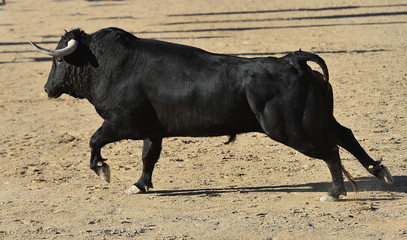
{"x": 200, "y": 94}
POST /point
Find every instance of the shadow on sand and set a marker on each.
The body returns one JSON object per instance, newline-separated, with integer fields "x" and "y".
{"x": 335, "y": 16}
{"x": 364, "y": 183}
{"x": 235, "y": 29}
{"x": 340, "y": 8}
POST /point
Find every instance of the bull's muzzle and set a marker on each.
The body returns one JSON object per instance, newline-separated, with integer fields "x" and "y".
{"x": 52, "y": 93}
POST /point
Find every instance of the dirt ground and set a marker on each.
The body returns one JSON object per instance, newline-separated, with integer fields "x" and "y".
{"x": 254, "y": 188}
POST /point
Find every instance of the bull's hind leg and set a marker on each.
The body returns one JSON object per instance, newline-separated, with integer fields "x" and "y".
{"x": 286, "y": 125}
{"x": 325, "y": 149}
{"x": 344, "y": 138}
{"x": 151, "y": 153}
{"x": 318, "y": 147}
{"x": 338, "y": 186}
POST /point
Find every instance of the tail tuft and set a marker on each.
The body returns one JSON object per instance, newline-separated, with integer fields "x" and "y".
{"x": 231, "y": 139}
{"x": 351, "y": 179}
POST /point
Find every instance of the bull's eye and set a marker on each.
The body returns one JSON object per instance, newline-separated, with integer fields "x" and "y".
{"x": 59, "y": 60}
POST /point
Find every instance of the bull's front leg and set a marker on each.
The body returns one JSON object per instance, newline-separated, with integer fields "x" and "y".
{"x": 151, "y": 153}
{"x": 98, "y": 165}
{"x": 104, "y": 135}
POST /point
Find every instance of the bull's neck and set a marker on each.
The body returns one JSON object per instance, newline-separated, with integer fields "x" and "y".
{"x": 80, "y": 83}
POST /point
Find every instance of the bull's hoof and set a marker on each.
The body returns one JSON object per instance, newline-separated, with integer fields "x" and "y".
{"x": 135, "y": 190}
{"x": 385, "y": 175}
{"x": 328, "y": 198}
{"x": 104, "y": 172}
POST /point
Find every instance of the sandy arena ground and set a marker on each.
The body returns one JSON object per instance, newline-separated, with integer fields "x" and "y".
{"x": 254, "y": 188}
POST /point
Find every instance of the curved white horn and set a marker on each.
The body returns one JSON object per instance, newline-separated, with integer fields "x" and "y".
{"x": 72, "y": 45}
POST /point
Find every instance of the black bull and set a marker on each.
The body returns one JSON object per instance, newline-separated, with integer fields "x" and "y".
{"x": 147, "y": 90}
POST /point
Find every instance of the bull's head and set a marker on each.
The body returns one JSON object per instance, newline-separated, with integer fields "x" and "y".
{"x": 72, "y": 61}
{"x": 56, "y": 84}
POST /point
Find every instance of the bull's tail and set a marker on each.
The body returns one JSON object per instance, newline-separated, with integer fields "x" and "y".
{"x": 232, "y": 138}
{"x": 351, "y": 179}
{"x": 301, "y": 58}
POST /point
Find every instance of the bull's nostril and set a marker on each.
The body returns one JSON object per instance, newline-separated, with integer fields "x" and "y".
{"x": 46, "y": 90}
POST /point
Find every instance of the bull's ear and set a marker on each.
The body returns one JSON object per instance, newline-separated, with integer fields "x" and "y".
{"x": 65, "y": 31}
